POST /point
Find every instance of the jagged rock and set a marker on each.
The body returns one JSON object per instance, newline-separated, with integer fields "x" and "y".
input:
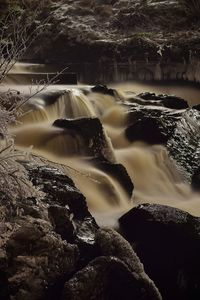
{"x": 91, "y": 132}
{"x": 116, "y": 274}
{"x": 148, "y": 130}
{"x": 196, "y": 180}
{"x": 165, "y": 119}
{"x": 69, "y": 205}
{"x": 167, "y": 240}
{"x": 61, "y": 220}
{"x": 183, "y": 145}
{"x": 45, "y": 240}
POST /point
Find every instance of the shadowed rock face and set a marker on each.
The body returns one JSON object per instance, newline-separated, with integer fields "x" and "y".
{"x": 148, "y": 130}
{"x": 116, "y": 274}
{"x": 50, "y": 246}
{"x": 118, "y": 171}
{"x": 184, "y": 144}
{"x": 155, "y": 119}
{"x": 165, "y": 100}
{"x": 196, "y": 180}
{"x": 167, "y": 240}
{"x": 92, "y": 133}
{"x": 43, "y": 241}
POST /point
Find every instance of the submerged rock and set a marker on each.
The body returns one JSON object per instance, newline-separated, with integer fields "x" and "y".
{"x": 167, "y": 240}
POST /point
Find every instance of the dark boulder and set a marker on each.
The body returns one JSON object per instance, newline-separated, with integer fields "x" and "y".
{"x": 90, "y": 130}
{"x": 147, "y": 129}
{"x": 116, "y": 274}
{"x": 167, "y": 240}
{"x": 149, "y": 96}
{"x": 118, "y": 171}
{"x": 196, "y": 180}
{"x": 165, "y": 100}
{"x": 197, "y": 107}
{"x": 103, "y": 89}
{"x": 174, "y": 102}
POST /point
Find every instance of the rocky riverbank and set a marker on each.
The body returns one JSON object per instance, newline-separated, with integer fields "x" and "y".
{"x": 118, "y": 31}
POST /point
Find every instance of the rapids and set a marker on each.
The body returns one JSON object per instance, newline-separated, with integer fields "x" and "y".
{"x": 155, "y": 176}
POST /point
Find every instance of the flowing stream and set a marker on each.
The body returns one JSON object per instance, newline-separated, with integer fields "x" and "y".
{"x": 155, "y": 176}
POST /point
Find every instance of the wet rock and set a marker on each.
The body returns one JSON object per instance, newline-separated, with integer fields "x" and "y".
{"x": 119, "y": 172}
{"x": 37, "y": 258}
{"x": 165, "y": 100}
{"x": 197, "y": 107}
{"x": 103, "y": 89}
{"x": 149, "y": 96}
{"x": 107, "y": 278}
{"x": 91, "y": 131}
{"x": 196, "y": 180}
{"x": 61, "y": 220}
{"x": 45, "y": 240}
{"x": 174, "y": 102}
{"x": 68, "y": 209}
{"x": 116, "y": 274}
{"x": 165, "y": 119}
{"x": 183, "y": 145}
{"x": 148, "y": 130}
{"x": 167, "y": 240}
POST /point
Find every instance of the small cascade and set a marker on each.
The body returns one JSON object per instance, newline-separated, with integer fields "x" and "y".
{"x": 84, "y": 130}
{"x": 54, "y": 105}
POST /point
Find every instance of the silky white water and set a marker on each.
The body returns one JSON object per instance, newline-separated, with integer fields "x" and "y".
{"x": 155, "y": 176}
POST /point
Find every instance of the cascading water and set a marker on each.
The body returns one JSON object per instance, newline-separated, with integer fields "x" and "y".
{"x": 154, "y": 174}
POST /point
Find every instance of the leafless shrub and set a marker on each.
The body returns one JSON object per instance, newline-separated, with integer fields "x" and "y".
{"x": 191, "y": 8}
{"x": 13, "y": 176}
{"x": 17, "y": 31}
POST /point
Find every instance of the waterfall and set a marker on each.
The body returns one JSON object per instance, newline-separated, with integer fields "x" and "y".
{"x": 73, "y": 145}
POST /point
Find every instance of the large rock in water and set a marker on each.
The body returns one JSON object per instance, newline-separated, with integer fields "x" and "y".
{"x": 148, "y": 119}
{"x": 167, "y": 240}
{"x": 148, "y": 130}
{"x": 165, "y": 100}
{"x": 94, "y": 140}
